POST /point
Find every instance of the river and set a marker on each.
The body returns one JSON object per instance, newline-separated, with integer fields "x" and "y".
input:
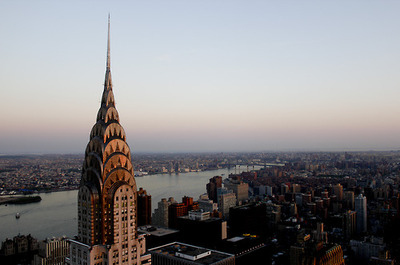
{"x": 56, "y": 214}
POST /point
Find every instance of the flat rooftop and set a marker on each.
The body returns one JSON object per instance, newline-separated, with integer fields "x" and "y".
{"x": 235, "y": 239}
{"x": 156, "y": 231}
{"x": 191, "y": 253}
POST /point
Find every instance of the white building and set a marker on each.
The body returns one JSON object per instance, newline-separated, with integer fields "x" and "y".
{"x": 52, "y": 252}
{"x": 367, "y": 249}
{"x": 226, "y": 200}
{"x": 361, "y": 209}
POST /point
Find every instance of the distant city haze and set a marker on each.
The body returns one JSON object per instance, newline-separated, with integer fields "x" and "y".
{"x": 202, "y": 76}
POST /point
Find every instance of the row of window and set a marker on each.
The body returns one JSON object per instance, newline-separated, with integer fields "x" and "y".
{"x": 124, "y": 198}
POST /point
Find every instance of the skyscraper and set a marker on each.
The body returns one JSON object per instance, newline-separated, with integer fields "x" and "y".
{"x": 349, "y": 199}
{"x": 160, "y": 216}
{"x": 226, "y": 200}
{"x": 107, "y": 198}
{"x": 143, "y": 207}
{"x": 361, "y": 209}
{"x": 338, "y": 191}
{"x": 240, "y": 188}
{"x": 212, "y": 186}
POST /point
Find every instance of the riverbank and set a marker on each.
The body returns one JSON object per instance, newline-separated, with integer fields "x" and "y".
{"x": 20, "y": 199}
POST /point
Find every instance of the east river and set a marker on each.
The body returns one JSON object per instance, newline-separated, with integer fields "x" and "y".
{"x": 56, "y": 214}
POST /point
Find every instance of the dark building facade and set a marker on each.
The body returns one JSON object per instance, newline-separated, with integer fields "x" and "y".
{"x": 177, "y": 253}
{"x": 206, "y": 233}
{"x": 176, "y": 210}
{"x": 248, "y": 219}
{"x": 212, "y": 187}
{"x": 144, "y": 207}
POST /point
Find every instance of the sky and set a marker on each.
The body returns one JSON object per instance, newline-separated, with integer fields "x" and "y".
{"x": 202, "y": 76}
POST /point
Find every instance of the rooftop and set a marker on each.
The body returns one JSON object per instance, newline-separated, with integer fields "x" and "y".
{"x": 156, "y": 231}
{"x": 195, "y": 254}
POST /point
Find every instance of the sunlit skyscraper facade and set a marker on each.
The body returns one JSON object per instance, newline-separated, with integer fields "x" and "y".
{"x": 107, "y": 198}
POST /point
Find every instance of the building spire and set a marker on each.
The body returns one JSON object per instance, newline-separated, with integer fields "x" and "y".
{"x": 108, "y": 45}
{"x": 108, "y": 82}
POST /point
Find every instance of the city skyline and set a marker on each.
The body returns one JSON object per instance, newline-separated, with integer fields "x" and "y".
{"x": 203, "y": 77}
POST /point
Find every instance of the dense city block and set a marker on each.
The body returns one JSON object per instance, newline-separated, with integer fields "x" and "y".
{"x": 285, "y": 208}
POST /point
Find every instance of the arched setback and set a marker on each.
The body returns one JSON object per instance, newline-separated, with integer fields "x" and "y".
{"x": 112, "y": 131}
{"x": 116, "y": 145}
{"x": 117, "y": 160}
{"x": 108, "y": 98}
{"x": 118, "y": 175}
{"x": 108, "y": 114}
{"x": 91, "y": 175}
{"x": 95, "y": 145}
{"x": 98, "y": 130}
{"x": 94, "y": 160}
{"x": 116, "y": 178}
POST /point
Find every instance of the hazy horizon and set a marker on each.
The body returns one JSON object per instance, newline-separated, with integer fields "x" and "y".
{"x": 209, "y": 76}
{"x": 212, "y": 152}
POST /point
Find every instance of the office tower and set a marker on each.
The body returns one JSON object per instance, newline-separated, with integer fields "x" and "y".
{"x": 299, "y": 199}
{"x": 273, "y": 212}
{"x": 338, "y": 191}
{"x": 306, "y": 198}
{"x": 107, "y": 197}
{"x": 296, "y": 188}
{"x": 293, "y": 209}
{"x": 361, "y": 209}
{"x": 284, "y": 188}
{"x": 176, "y": 210}
{"x": 260, "y": 190}
{"x": 349, "y": 199}
{"x": 349, "y": 224}
{"x": 324, "y": 194}
{"x": 144, "y": 207}
{"x": 269, "y": 191}
{"x": 160, "y": 216}
{"x": 319, "y": 235}
{"x": 240, "y": 189}
{"x": 226, "y": 200}
{"x": 212, "y": 187}
{"x": 188, "y": 201}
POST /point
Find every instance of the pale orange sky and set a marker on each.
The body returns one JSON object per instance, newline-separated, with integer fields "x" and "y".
{"x": 203, "y": 75}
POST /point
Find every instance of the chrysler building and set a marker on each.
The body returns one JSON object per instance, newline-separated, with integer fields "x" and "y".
{"x": 107, "y": 197}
